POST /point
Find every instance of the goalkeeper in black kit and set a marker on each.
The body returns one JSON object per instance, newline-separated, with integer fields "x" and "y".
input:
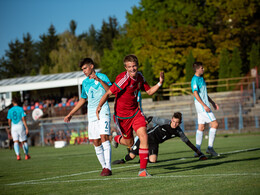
{"x": 165, "y": 129}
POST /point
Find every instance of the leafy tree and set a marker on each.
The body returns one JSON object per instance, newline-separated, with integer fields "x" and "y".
{"x": 188, "y": 67}
{"x": 73, "y": 26}
{"x": 108, "y": 32}
{"x": 254, "y": 56}
{"x": 112, "y": 60}
{"x": 91, "y": 37}
{"x": 223, "y": 67}
{"x": 70, "y": 51}
{"x": 29, "y": 56}
{"x": 47, "y": 43}
{"x": 148, "y": 72}
{"x": 235, "y": 64}
{"x": 14, "y": 63}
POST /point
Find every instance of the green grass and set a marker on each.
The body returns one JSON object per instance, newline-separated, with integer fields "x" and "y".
{"x": 75, "y": 170}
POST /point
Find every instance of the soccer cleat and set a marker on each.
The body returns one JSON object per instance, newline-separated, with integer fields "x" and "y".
{"x": 196, "y": 155}
{"x": 114, "y": 143}
{"x": 144, "y": 173}
{"x": 211, "y": 151}
{"x": 106, "y": 172}
{"x": 18, "y": 157}
{"x": 198, "y": 147}
{"x": 116, "y": 162}
{"x": 27, "y": 157}
{"x": 202, "y": 157}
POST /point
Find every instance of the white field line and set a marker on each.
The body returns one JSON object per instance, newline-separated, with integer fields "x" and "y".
{"x": 40, "y": 181}
{"x": 133, "y": 178}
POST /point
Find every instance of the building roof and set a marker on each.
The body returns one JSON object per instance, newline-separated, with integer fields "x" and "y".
{"x": 42, "y": 81}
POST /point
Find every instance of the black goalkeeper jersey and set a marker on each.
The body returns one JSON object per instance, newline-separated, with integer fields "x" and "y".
{"x": 160, "y": 134}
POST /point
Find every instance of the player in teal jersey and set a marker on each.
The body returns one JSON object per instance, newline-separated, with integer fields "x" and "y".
{"x": 19, "y": 128}
{"x": 205, "y": 115}
{"x": 93, "y": 88}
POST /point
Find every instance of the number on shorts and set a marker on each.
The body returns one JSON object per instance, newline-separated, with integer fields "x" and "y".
{"x": 92, "y": 92}
{"x": 106, "y": 127}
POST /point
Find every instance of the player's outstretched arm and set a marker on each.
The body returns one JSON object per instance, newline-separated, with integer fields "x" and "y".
{"x": 155, "y": 88}
{"x": 160, "y": 121}
{"x": 188, "y": 143}
{"x": 75, "y": 109}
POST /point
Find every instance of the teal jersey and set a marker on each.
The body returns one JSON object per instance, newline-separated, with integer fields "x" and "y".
{"x": 93, "y": 91}
{"x": 16, "y": 114}
{"x": 198, "y": 84}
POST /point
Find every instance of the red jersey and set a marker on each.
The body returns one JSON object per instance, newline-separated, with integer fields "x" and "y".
{"x": 126, "y": 90}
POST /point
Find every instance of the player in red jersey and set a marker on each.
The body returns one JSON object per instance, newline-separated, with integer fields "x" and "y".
{"x": 128, "y": 116}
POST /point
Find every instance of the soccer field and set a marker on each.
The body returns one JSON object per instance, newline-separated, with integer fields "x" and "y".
{"x": 75, "y": 170}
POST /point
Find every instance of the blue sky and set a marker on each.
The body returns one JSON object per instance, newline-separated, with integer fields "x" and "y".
{"x": 17, "y": 17}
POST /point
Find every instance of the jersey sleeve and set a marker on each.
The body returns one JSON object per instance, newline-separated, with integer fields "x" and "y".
{"x": 9, "y": 115}
{"x": 182, "y": 135}
{"x": 194, "y": 84}
{"x": 160, "y": 121}
{"x": 105, "y": 79}
{"x": 120, "y": 83}
{"x": 145, "y": 86}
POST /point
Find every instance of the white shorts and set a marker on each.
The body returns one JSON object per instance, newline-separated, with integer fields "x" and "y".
{"x": 18, "y": 133}
{"x": 206, "y": 117}
{"x": 98, "y": 127}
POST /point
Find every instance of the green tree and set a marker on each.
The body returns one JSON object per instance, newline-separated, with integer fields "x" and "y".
{"x": 254, "y": 56}
{"x": 223, "y": 67}
{"x": 46, "y": 44}
{"x": 108, "y": 32}
{"x": 73, "y": 26}
{"x": 29, "y": 56}
{"x": 112, "y": 60}
{"x": 235, "y": 64}
{"x": 70, "y": 51}
{"x": 14, "y": 63}
{"x": 148, "y": 72}
{"x": 188, "y": 67}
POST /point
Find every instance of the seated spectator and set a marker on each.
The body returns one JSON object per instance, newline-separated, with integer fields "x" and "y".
{"x": 68, "y": 136}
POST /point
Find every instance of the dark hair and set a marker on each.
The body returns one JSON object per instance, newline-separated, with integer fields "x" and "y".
{"x": 178, "y": 115}
{"x": 131, "y": 58}
{"x": 196, "y": 65}
{"x": 87, "y": 61}
{"x": 15, "y": 100}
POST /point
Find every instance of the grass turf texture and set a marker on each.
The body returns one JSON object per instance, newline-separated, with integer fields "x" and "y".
{"x": 75, "y": 170}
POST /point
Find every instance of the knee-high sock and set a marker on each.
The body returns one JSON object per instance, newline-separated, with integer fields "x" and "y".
{"x": 199, "y": 137}
{"x": 212, "y": 134}
{"x": 16, "y": 148}
{"x": 107, "y": 153}
{"x": 100, "y": 155}
{"x": 117, "y": 138}
{"x": 25, "y": 148}
{"x": 143, "y": 155}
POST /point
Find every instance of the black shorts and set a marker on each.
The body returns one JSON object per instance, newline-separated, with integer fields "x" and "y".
{"x": 153, "y": 148}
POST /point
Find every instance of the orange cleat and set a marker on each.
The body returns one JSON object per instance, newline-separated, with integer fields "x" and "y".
{"x": 27, "y": 157}
{"x": 18, "y": 157}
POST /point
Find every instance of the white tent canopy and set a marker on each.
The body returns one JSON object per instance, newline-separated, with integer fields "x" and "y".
{"x": 41, "y": 82}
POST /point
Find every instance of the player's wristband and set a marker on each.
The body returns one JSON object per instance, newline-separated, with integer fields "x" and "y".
{"x": 159, "y": 84}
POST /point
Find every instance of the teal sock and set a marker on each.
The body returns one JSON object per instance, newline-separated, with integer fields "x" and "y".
{"x": 16, "y": 148}
{"x": 25, "y": 148}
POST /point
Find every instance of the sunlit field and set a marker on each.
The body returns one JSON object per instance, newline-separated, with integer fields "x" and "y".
{"x": 75, "y": 170}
